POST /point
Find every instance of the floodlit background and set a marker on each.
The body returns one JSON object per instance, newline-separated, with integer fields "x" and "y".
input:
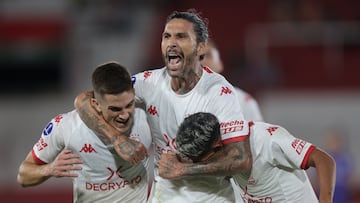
{"x": 299, "y": 59}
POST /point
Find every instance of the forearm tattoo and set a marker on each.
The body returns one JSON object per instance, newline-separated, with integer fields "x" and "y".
{"x": 128, "y": 147}
{"x": 93, "y": 119}
{"x": 233, "y": 158}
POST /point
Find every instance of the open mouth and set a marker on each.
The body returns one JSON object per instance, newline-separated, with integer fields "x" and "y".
{"x": 121, "y": 123}
{"x": 174, "y": 58}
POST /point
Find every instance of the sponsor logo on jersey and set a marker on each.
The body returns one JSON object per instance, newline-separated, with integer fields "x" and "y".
{"x": 298, "y": 145}
{"x": 48, "y": 128}
{"x": 225, "y": 90}
{"x": 113, "y": 172}
{"x": 87, "y": 148}
{"x": 250, "y": 198}
{"x": 109, "y": 186}
{"x": 135, "y": 136}
{"x": 152, "y": 110}
{"x": 231, "y": 126}
{"x": 147, "y": 74}
{"x": 41, "y": 144}
{"x": 170, "y": 145}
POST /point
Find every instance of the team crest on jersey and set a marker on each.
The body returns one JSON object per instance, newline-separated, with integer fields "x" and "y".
{"x": 135, "y": 137}
{"x": 48, "y": 129}
{"x": 252, "y": 181}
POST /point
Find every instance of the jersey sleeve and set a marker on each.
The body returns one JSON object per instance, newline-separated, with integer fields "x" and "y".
{"x": 144, "y": 84}
{"x": 227, "y": 109}
{"x": 51, "y": 141}
{"x": 287, "y": 150}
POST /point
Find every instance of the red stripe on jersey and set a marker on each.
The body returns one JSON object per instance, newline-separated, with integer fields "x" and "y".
{"x": 251, "y": 123}
{"x": 207, "y": 69}
{"x": 306, "y": 157}
{"x": 235, "y": 139}
{"x": 36, "y": 159}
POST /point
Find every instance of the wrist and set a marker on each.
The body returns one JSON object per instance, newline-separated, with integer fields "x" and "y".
{"x": 116, "y": 139}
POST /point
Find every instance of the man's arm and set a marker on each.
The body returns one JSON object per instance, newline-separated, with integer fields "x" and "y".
{"x": 31, "y": 173}
{"x": 128, "y": 149}
{"x": 231, "y": 159}
{"x": 326, "y": 173}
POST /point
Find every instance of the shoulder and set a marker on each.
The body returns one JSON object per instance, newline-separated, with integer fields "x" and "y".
{"x": 150, "y": 74}
{"x": 66, "y": 121}
{"x": 212, "y": 81}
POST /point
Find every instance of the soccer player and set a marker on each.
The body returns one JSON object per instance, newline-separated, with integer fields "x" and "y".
{"x": 169, "y": 94}
{"x": 249, "y": 105}
{"x": 279, "y": 160}
{"x": 68, "y": 148}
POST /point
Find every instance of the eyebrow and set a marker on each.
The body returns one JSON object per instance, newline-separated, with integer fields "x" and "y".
{"x": 116, "y": 108}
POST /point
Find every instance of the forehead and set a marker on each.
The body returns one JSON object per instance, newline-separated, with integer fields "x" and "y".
{"x": 178, "y": 25}
{"x": 120, "y": 99}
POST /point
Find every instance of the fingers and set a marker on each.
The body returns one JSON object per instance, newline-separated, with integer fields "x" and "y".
{"x": 65, "y": 164}
{"x": 140, "y": 154}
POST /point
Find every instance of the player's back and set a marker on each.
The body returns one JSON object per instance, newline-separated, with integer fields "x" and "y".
{"x": 276, "y": 173}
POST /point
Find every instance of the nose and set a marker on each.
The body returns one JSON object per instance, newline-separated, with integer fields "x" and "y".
{"x": 172, "y": 42}
{"x": 124, "y": 115}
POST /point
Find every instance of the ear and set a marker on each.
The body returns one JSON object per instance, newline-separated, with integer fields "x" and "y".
{"x": 95, "y": 104}
{"x": 201, "y": 49}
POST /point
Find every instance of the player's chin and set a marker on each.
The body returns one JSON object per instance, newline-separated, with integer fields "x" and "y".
{"x": 123, "y": 130}
{"x": 122, "y": 127}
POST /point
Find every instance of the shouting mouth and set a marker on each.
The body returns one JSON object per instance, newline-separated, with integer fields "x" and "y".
{"x": 174, "y": 61}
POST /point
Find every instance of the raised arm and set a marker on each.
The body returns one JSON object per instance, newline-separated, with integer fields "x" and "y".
{"x": 232, "y": 158}
{"x": 31, "y": 173}
{"x": 130, "y": 150}
{"x": 326, "y": 173}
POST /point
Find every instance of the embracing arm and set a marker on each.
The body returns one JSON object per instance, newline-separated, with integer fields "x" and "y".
{"x": 130, "y": 150}
{"x": 31, "y": 173}
{"x": 325, "y": 169}
{"x": 231, "y": 159}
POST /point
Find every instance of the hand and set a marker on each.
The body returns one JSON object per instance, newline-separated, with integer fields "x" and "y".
{"x": 130, "y": 150}
{"x": 170, "y": 166}
{"x": 65, "y": 162}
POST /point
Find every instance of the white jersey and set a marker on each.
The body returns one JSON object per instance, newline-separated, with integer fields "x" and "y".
{"x": 104, "y": 177}
{"x": 279, "y": 160}
{"x": 249, "y": 105}
{"x": 166, "y": 110}
{"x": 251, "y": 112}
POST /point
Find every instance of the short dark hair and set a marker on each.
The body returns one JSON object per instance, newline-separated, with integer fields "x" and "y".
{"x": 200, "y": 24}
{"x": 111, "y": 78}
{"x": 197, "y": 133}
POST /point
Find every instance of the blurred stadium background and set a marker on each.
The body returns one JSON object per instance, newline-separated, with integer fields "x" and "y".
{"x": 299, "y": 59}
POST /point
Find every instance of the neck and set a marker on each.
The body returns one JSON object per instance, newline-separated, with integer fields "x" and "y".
{"x": 183, "y": 85}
